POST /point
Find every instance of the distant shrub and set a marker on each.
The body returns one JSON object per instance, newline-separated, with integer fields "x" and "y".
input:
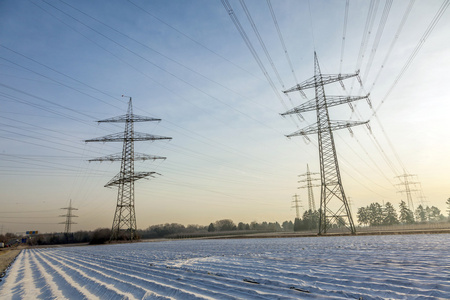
{"x": 100, "y": 236}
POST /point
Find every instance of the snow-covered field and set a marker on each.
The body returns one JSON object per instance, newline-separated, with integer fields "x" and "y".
{"x": 367, "y": 267}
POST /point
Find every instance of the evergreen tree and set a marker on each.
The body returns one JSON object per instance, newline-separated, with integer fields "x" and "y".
{"x": 428, "y": 213}
{"x": 274, "y": 226}
{"x": 310, "y": 220}
{"x": 211, "y": 228}
{"x": 389, "y": 215}
{"x": 435, "y": 214}
{"x": 406, "y": 215}
{"x": 363, "y": 216}
{"x": 297, "y": 224}
{"x": 315, "y": 218}
{"x": 306, "y": 222}
{"x": 288, "y": 226}
{"x": 421, "y": 214}
{"x": 375, "y": 214}
{"x": 241, "y": 226}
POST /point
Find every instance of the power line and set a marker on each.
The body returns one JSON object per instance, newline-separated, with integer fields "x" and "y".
{"x": 394, "y": 41}
{"x": 280, "y": 36}
{"x": 381, "y": 25}
{"x": 163, "y": 69}
{"x": 416, "y": 50}
{"x": 188, "y": 37}
{"x": 208, "y": 78}
{"x": 255, "y": 55}
{"x": 266, "y": 52}
{"x": 141, "y": 73}
{"x": 344, "y": 31}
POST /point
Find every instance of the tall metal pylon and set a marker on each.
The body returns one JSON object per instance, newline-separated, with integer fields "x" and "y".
{"x": 334, "y": 207}
{"x": 124, "y": 223}
{"x": 309, "y": 185}
{"x": 296, "y": 206}
{"x": 68, "y": 223}
{"x": 408, "y": 189}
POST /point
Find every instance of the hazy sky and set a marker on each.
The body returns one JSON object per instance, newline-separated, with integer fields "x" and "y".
{"x": 65, "y": 64}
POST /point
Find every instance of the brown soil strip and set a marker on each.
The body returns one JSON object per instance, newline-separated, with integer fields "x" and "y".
{"x": 6, "y": 257}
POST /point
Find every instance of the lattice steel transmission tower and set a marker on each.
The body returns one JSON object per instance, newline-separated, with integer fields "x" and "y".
{"x": 124, "y": 223}
{"x": 334, "y": 207}
{"x": 68, "y": 223}
{"x": 296, "y": 206}
{"x": 309, "y": 185}
{"x": 408, "y": 189}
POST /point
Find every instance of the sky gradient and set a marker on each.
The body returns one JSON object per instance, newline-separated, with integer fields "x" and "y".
{"x": 64, "y": 65}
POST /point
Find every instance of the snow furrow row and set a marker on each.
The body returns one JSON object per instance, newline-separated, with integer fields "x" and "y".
{"x": 13, "y": 287}
{"x": 51, "y": 289}
{"x": 395, "y": 267}
{"x": 102, "y": 289}
{"x": 205, "y": 284}
{"x": 270, "y": 276}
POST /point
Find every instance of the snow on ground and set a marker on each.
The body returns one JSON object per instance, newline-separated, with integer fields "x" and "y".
{"x": 367, "y": 267}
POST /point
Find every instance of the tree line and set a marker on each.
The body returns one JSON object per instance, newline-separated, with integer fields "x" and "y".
{"x": 374, "y": 214}
{"x": 218, "y": 227}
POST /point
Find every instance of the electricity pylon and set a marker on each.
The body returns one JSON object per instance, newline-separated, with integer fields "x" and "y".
{"x": 124, "y": 223}
{"x": 68, "y": 223}
{"x": 309, "y": 185}
{"x": 407, "y": 189}
{"x": 334, "y": 207}
{"x": 296, "y": 205}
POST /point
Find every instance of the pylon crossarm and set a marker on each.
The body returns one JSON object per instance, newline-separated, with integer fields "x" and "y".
{"x": 322, "y": 79}
{"x": 305, "y": 131}
{"x": 118, "y": 137}
{"x": 337, "y": 100}
{"x": 306, "y": 186}
{"x": 119, "y": 178}
{"x": 331, "y": 101}
{"x": 309, "y": 83}
{"x": 118, "y": 157}
{"x": 129, "y": 118}
{"x": 330, "y": 78}
{"x": 334, "y": 125}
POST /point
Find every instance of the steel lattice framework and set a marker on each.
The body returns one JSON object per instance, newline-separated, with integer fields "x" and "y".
{"x": 408, "y": 189}
{"x": 309, "y": 185}
{"x": 296, "y": 206}
{"x": 334, "y": 208}
{"x": 68, "y": 223}
{"x": 124, "y": 223}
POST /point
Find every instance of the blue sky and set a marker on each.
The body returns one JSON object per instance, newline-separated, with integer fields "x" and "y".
{"x": 65, "y": 65}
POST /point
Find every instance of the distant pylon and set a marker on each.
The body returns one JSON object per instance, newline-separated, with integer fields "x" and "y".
{"x": 407, "y": 189}
{"x": 309, "y": 185}
{"x": 124, "y": 223}
{"x": 350, "y": 203}
{"x": 334, "y": 207}
{"x": 296, "y": 205}
{"x": 68, "y": 223}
